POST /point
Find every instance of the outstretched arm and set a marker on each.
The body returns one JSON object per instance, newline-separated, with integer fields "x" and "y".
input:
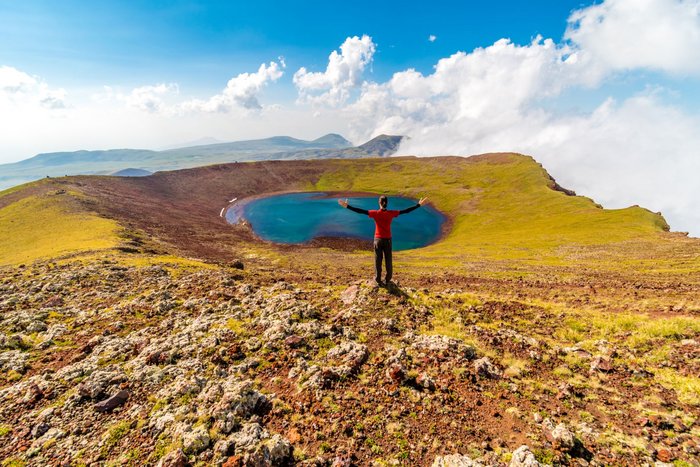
{"x": 420, "y": 203}
{"x": 344, "y": 203}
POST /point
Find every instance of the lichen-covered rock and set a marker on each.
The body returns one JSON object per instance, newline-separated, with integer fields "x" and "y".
{"x": 523, "y": 457}
{"x": 456, "y": 460}
{"x": 438, "y": 344}
{"x": 195, "y": 441}
{"x": 13, "y": 360}
{"x": 560, "y": 436}
{"x": 350, "y": 355}
{"x": 486, "y": 369}
{"x": 96, "y": 384}
{"x": 176, "y": 458}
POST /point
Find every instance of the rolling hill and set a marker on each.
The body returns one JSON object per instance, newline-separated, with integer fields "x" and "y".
{"x": 138, "y": 327}
{"x": 58, "y": 164}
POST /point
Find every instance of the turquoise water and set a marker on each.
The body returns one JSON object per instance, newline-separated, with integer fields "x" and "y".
{"x": 300, "y": 217}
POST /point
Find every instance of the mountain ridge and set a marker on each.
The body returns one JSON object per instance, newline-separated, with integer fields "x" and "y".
{"x": 102, "y": 162}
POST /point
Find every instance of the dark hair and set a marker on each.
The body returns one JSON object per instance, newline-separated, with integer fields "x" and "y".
{"x": 383, "y": 201}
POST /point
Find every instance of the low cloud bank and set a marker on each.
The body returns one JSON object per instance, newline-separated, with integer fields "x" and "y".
{"x": 639, "y": 150}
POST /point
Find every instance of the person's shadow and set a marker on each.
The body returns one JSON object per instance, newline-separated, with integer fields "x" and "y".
{"x": 395, "y": 290}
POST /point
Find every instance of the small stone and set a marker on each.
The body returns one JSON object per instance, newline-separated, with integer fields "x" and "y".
{"x": 40, "y": 429}
{"x": 350, "y": 294}
{"x": 486, "y": 369}
{"x": 425, "y": 381}
{"x": 601, "y": 363}
{"x": 238, "y": 264}
{"x": 456, "y": 460}
{"x": 33, "y": 395}
{"x": 396, "y": 373}
{"x": 195, "y": 441}
{"x": 294, "y": 341}
{"x": 664, "y": 455}
{"x": 523, "y": 457}
{"x": 560, "y": 436}
{"x": 175, "y": 458}
{"x": 113, "y": 402}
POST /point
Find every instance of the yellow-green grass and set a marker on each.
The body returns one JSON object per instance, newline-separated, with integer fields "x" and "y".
{"x": 687, "y": 387}
{"x": 50, "y": 226}
{"x": 503, "y": 208}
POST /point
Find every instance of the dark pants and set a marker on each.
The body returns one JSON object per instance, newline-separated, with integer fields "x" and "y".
{"x": 382, "y": 248}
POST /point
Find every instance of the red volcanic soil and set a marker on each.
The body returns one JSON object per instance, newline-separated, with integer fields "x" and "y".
{"x": 182, "y": 208}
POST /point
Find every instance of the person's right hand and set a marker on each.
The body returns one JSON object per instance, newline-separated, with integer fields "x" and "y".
{"x": 343, "y": 202}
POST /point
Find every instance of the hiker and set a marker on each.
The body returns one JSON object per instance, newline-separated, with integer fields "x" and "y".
{"x": 382, "y": 232}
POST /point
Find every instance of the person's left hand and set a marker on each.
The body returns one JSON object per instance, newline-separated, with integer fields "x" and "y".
{"x": 423, "y": 201}
{"x": 343, "y": 202}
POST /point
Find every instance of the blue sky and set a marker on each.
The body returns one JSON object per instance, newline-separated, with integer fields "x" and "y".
{"x": 202, "y": 44}
{"x": 605, "y": 94}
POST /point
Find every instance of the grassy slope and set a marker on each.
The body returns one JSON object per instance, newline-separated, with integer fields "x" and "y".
{"x": 502, "y": 205}
{"x": 49, "y": 226}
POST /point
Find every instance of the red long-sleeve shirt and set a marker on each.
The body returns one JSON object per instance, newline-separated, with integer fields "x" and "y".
{"x": 382, "y": 218}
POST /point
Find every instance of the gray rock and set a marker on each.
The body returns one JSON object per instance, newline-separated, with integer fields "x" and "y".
{"x": 248, "y": 437}
{"x": 175, "y": 458}
{"x": 350, "y": 294}
{"x": 441, "y": 344}
{"x": 456, "y": 460}
{"x": 97, "y": 383}
{"x": 560, "y": 436}
{"x": 523, "y": 457}
{"x": 39, "y": 429}
{"x": 113, "y": 402}
{"x": 486, "y": 369}
{"x": 195, "y": 441}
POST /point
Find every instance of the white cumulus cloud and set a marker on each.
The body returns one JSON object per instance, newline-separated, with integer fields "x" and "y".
{"x": 343, "y": 74}
{"x": 639, "y": 150}
{"x": 151, "y": 98}
{"x": 627, "y": 34}
{"x": 20, "y": 88}
{"x": 241, "y": 90}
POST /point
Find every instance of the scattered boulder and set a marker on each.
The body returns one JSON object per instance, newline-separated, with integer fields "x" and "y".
{"x": 523, "y": 457}
{"x": 175, "y": 458}
{"x": 425, "y": 381}
{"x": 486, "y": 369}
{"x": 396, "y": 373}
{"x": 294, "y": 341}
{"x": 440, "y": 345}
{"x": 113, "y": 402}
{"x": 456, "y": 460}
{"x": 95, "y": 385}
{"x": 350, "y": 294}
{"x": 560, "y": 436}
{"x": 13, "y": 360}
{"x": 601, "y": 363}
{"x": 195, "y": 441}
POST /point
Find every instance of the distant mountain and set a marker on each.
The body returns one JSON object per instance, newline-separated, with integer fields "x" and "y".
{"x": 130, "y": 172}
{"x": 122, "y": 162}
{"x": 105, "y": 162}
{"x": 380, "y": 146}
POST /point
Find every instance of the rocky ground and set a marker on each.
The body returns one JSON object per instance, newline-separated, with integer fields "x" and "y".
{"x": 107, "y": 362}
